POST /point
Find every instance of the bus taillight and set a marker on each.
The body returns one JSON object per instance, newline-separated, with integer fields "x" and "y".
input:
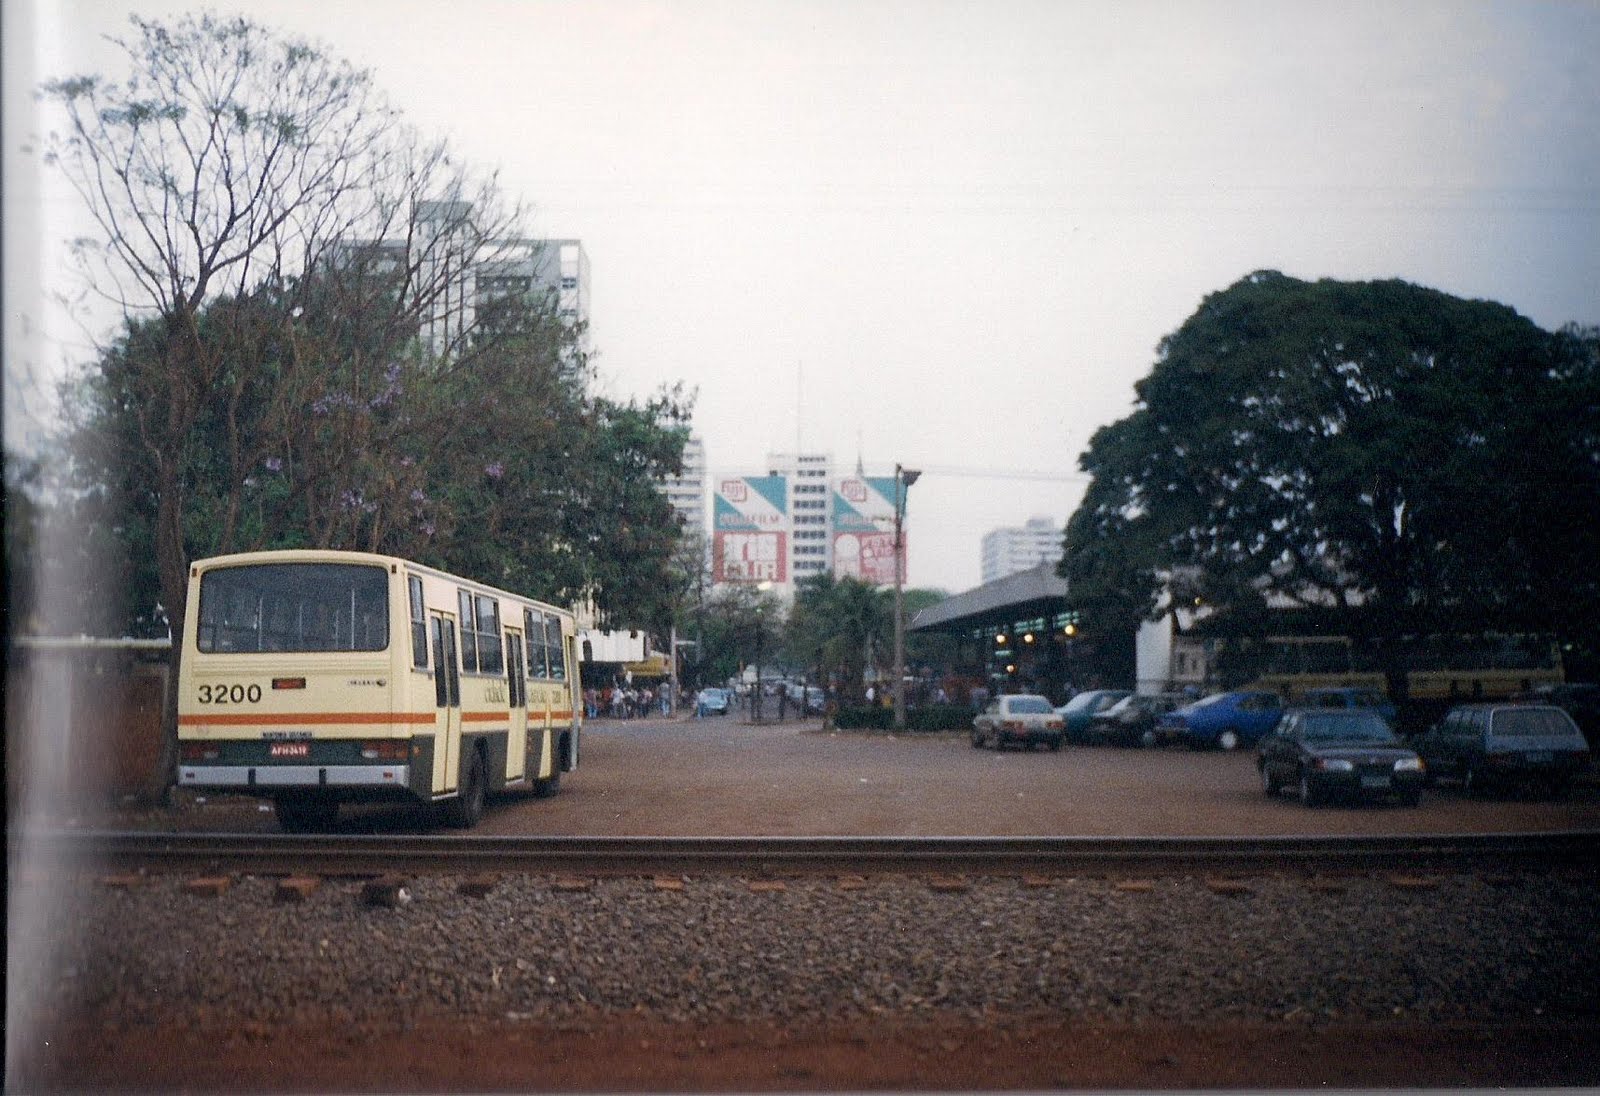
{"x": 201, "y": 751}
{"x": 386, "y": 749}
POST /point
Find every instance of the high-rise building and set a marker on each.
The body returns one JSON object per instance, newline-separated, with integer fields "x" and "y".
{"x": 461, "y": 275}
{"x": 687, "y": 492}
{"x": 810, "y": 542}
{"x": 799, "y": 520}
{"x": 1011, "y": 550}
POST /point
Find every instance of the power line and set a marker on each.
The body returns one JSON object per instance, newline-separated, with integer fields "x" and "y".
{"x": 1005, "y": 474}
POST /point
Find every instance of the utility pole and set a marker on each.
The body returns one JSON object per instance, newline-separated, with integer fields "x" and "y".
{"x": 903, "y": 479}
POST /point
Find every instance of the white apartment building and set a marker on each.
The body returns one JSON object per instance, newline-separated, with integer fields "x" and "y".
{"x": 687, "y": 493}
{"x": 1011, "y": 550}
{"x": 810, "y": 542}
{"x": 462, "y": 272}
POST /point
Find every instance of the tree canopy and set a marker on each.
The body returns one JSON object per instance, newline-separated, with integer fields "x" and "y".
{"x": 293, "y": 367}
{"x": 1402, "y": 458}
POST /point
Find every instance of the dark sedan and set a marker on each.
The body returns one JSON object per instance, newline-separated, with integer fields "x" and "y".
{"x": 1328, "y": 753}
{"x": 1131, "y": 721}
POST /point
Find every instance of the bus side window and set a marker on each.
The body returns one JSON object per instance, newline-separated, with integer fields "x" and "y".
{"x": 419, "y": 625}
{"x": 469, "y": 636}
{"x": 489, "y": 660}
{"x": 533, "y": 624}
{"x": 552, "y": 640}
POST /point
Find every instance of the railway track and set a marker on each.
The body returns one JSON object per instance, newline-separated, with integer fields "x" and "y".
{"x": 344, "y": 854}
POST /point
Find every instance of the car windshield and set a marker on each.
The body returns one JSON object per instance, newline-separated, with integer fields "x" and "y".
{"x": 1214, "y": 698}
{"x": 1347, "y": 727}
{"x": 1080, "y": 702}
{"x": 1531, "y": 722}
{"x": 1028, "y": 705}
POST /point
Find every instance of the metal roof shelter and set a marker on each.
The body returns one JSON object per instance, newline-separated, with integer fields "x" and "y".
{"x": 1035, "y": 593}
{"x": 1011, "y": 633}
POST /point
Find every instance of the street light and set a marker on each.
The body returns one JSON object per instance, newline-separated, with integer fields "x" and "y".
{"x": 903, "y": 479}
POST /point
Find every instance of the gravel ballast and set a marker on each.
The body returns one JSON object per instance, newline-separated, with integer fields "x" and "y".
{"x": 709, "y": 948}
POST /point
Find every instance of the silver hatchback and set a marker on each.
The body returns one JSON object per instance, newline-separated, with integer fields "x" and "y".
{"x": 1024, "y": 720}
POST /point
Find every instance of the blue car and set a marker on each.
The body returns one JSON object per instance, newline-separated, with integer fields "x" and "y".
{"x": 1077, "y": 713}
{"x": 711, "y": 702}
{"x": 1223, "y": 720}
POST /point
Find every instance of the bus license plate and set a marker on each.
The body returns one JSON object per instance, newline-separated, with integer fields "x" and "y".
{"x": 1540, "y": 757}
{"x": 290, "y": 749}
{"x": 1374, "y": 781}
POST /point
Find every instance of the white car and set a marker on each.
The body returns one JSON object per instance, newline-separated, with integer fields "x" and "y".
{"x": 1024, "y": 719}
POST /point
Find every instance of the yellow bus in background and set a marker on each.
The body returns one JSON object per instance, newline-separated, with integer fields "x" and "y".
{"x": 316, "y": 678}
{"x": 1438, "y": 667}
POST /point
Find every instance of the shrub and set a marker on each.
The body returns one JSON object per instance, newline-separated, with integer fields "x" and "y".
{"x": 941, "y": 717}
{"x": 873, "y": 718}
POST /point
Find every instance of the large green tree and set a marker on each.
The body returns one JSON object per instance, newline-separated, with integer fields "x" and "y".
{"x": 735, "y": 620}
{"x": 227, "y": 173}
{"x": 1396, "y": 456}
{"x": 504, "y": 467}
{"x": 844, "y": 626}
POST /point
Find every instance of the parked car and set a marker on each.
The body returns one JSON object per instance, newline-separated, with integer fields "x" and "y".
{"x": 711, "y": 702}
{"x": 808, "y": 698}
{"x": 1224, "y": 720}
{"x": 1131, "y": 721}
{"x": 1076, "y": 713}
{"x": 1330, "y": 753}
{"x": 1024, "y": 719}
{"x": 1350, "y": 697}
{"x": 1508, "y": 745}
{"x": 1580, "y": 701}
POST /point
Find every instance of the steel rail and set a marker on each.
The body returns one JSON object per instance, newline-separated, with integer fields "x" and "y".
{"x": 369, "y": 854}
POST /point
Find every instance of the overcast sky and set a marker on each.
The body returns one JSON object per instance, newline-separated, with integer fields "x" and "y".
{"x": 950, "y": 234}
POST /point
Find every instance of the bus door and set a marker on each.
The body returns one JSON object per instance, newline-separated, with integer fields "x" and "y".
{"x": 447, "y": 704}
{"x": 574, "y": 699}
{"x": 517, "y": 695}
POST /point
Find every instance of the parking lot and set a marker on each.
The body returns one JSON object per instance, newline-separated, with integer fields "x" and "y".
{"x": 719, "y": 777}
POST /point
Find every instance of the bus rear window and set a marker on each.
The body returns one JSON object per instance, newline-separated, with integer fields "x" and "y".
{"x": 294, "y": 607}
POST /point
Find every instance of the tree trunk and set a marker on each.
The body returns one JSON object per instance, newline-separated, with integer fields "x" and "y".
{"x": 172, "y": 566}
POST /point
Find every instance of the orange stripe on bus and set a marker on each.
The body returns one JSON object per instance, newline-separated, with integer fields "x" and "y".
{"x": 244, "y": 719}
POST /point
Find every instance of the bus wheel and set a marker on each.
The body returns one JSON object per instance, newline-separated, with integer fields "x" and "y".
{"x": 297, "y": 815}
{"x": 464, "y": 811}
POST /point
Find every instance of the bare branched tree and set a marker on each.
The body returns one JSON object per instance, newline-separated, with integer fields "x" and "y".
{"x": 235, "y": 179}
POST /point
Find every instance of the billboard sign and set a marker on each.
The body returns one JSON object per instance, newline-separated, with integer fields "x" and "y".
{"x": 749, "y": 530}
{"x": 863, "y": 529}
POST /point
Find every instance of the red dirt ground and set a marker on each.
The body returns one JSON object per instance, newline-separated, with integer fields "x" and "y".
{"x": 623, "y": 1054}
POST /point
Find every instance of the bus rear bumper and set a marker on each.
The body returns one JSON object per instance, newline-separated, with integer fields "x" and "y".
{"x": 245, "y": 777}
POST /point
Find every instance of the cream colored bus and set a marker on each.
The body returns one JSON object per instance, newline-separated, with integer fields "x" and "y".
{"x": 316, "y": 678}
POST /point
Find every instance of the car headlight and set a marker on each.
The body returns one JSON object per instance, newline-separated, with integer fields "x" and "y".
{"x": 1336, "y": 765}
{"x": 1408, "y": 765}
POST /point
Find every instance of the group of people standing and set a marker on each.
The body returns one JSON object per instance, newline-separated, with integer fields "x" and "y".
{"x": 627, "y": 701}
